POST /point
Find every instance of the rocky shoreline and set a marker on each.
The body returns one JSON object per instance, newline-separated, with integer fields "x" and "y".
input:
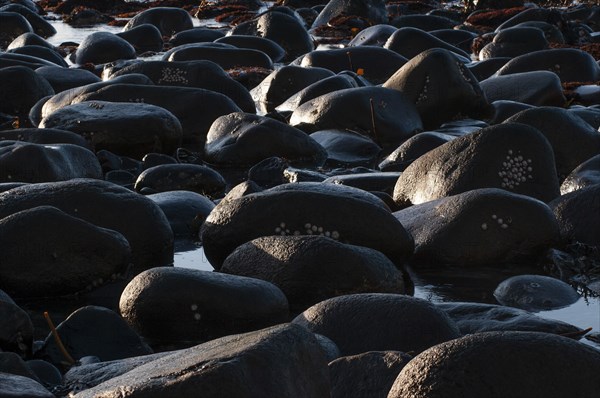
{"x": 324, "y": 155}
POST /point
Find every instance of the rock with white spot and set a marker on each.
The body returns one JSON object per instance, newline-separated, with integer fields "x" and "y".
{"x": 304, "y": 208}
{"x": 124, "y": 128}
{"x": 425, "y": 79}
{"x": 511, "y": 156}
{"x": 480, "y": 227}
{"x": 535, "y": 293}
{"x": 573, "y": 140}
{"x": 167, "y": 304}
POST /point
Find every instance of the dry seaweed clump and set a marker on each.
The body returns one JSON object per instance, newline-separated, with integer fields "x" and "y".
{"x": 489, "y": 20}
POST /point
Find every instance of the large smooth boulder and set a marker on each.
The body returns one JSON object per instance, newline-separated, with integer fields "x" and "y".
{"x": 124, "y": 128}
{"x": 12, "y": 25}
{"x": 372, "y": 11}
{"x": 387, "y": 116}
{"x": 167, "y": 304}
{"x": 410, "y": 42}
{"x": 169, "y": 20}
{"x": 182, "y": 102}
{"x": 106, "y": 205}
{"x": 185, "y": 210}
{"x": 425, "y": 79}
{"x": 42, "y": 136}
{"x": 244, "y": 139}
{"x": 502, "y": 364}
{"x": 535, "y": 293}
{"x": 281, "y": 361}
{"x": 310, "y": 269}
{"x": 103, "y": 47}
{"x": 515, "y": 41}
{"x": 347, "y": 149}
{"x": 481, "y": 227}
{"x": 282, "y": 83}
{"x": 305, "y": 208}
{"x": 376, "y": 64}
{"x": 573, "y": 140}
{"x": 20, "y": 89}
{"x": 378, "y": 322}
{"x": 578, "y": 216}
{"x": 62, "y": 79}
{"x": 283, "y": 29}
{"x": 226, "y": 56}
{"x": 539, "y": 88}
{"x": 181, "y": 176}
{"x": 570, "y": 64}
{"x": 511, "y": 156}
{"x": 26, "y": 162}
{"x": 200, "y": 74}
{"x": 50, "y": 253}
{"x": 412, "y": 149}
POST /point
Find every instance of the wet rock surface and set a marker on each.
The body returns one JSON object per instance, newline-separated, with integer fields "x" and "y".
{"x": 259, "y": 142}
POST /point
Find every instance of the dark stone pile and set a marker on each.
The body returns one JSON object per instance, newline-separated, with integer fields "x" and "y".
{"x": 324, "y": 156}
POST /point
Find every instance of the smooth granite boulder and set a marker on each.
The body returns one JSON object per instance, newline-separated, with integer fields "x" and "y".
{"x": 50, "y": 253}
{"x": 27, "y": 162}
{"x": 16, "y": 330}
{"x": 310, "y": 269}
{"x": 425, "y": 79}
{"x": 200, "y": 74}
{"x": 510, "y": 156}
{"x": 14, "y": 386}
{"x": 168, "y": 304}
{"x": 573, "y": 140}
{"x": 182, "y": 102}
{"x": 577, "y": 215}
{"x": 20, "y": 89}
{"x": 106, "y": 205}
{"x": 181, "y": 176}
{"x": 305, "y": 209}
{"x": 244, "y": 139}
{"x": 535, "y": 293}
{"x": 385, "y": 115}
{"x": 103, "y": 47}
{"x": 481, "y": 227}
{"x": 484, "y": 364}
{"x": 281, "y": 361}
{"x": 539, "y": 88}
{"x": 124, "y": 128}
{"x": 168, "y": 20}
{"x": 378, "y": 322}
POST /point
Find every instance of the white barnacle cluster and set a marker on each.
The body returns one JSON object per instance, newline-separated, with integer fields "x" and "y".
{"x": 137, "y": 100}
{"x": 503, "y": 223}
{"x": 462, "y": 70}
{"x": 515, "y": 170}
{"x": 172, "y": 75}
{"x": 197, "y": 316}
{"x": 309, "y": 229}
{"x": 423, "y": 94}
{"x": 99, "y": 282}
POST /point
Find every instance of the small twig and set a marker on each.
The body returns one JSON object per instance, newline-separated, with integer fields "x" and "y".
{"x": 59, "y": 343}
{"x": 576, "y": 335}
{"x": 373, "y": 119}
